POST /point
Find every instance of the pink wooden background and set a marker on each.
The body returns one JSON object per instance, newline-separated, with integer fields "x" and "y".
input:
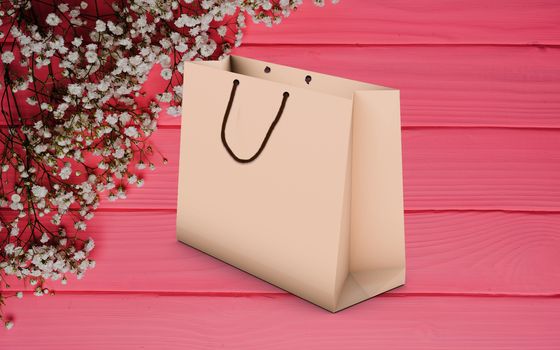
{"x": 480, "y": 87}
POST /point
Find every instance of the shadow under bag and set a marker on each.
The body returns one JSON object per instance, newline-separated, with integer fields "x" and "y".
{"x": 294, "y": 177}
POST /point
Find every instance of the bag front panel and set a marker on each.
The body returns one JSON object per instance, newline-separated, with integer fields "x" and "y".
{"x": 278, "y": 217}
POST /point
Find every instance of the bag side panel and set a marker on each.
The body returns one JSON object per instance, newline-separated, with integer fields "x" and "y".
{"x": 377, "y": 246}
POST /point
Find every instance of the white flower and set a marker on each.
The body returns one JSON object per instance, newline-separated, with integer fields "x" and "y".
{"x": 77, "y": 41}
{"x": 9, "y": 324}
{"x": 119, "y": 153}
{"x": 9, "y": 248}
{"x": 124, "y": 117}
{"x": 39, "y": 191}
{"x": 136, "y": 60}
{"x": 40, "y": 148}
{"x": 53, "y": 20}
{"x": 115, "y": 29}
{"x": 165, "y": 60}
{"x": 63, "y": 7}
{"x": 103, "y": 86}
{"x": 165, "y": 97}
{"x": 222, "y": 30}
{"x": 75, "y": 89}
{"x": 208, "y": 49}
{"x": 190, "y": 21}
{"x": 19, "y": 295}
{"x": 80, "y": 225}
{"x": 181, "y": 47}
{"x": 91, "y": 56}
{"x": 166, "y": 73}
{"x": 131, "y": 131}
{"x": 14, "y": 231}
{"x": 32, "y": 101}
{"x": 100, "y": 26}
{"x": 65, "y": 172}
{"x": 90, "y": 244}
{"x": 44, "y": 238}
{"x": 127, "y": 43}
{"x": 8, "y": 57}
{"x": 15, "y": 198}
{"x": 173, "y": 111}
{"x": 165, "y": 43}
{"x": 73, "y": 57}
{"x": 112, "y": 119}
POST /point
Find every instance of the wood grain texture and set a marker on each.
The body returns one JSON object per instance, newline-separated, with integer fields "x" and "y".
{"x": 479, "y": 84}
{"x": 488, "y": 253}
{"x": 510, "y": 22}
{"x": 405, "y": 22}
{"x": 444, "y": 168}
{"x": 440, "y": 85}
{"x": 281, "y": 322}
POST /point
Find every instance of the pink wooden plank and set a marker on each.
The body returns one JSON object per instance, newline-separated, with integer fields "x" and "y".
{"x": 442, "y": 85}
{"x": 399, "y": 22}
{"x": 444, "y": 168}
{"x": 482, "y": 168}
{"x": 449, "y": 168}
{"x": 513, "y": 22}
{"x": 451, "y": 253}
{"x": 280, "y": 322}
{"x": 513, "y": 86}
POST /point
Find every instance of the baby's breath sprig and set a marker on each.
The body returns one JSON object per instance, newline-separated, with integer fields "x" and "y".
{"x": 75, "y": 120}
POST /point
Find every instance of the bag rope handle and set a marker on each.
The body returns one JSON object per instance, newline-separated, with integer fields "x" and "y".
{"x": 269, "y": 132}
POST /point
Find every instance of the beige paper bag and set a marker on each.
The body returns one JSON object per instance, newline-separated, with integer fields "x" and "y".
{"x": 294, "y": 177}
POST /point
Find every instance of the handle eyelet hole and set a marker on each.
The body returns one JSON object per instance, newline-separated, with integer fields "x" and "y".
{"x": 236, "y": 82}
{"x": 308, "y": 79}
{"x": 267, "y": 69}
{"x": 286, "y": 94}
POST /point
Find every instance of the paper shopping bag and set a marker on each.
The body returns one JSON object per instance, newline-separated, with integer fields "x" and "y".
{"x": 294, "y": 177}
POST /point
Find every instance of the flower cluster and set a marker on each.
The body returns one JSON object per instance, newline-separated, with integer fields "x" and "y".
{"x": 47, "y": 260}
{"x": 75, "y": 119}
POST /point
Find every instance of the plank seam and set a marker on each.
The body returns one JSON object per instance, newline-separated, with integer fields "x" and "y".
{"x": 504, "y": 45}
{"x": 435, "y": 126}
{"x": 233, "y": 294}
{"x": 416, "y": 127}
{"x": 407, "y": 211}
{"x": 411, "y": 211}
{"x": 458, "y": 44}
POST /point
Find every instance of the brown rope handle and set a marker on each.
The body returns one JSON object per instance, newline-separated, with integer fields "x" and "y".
{"x": 269, "y": 132}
